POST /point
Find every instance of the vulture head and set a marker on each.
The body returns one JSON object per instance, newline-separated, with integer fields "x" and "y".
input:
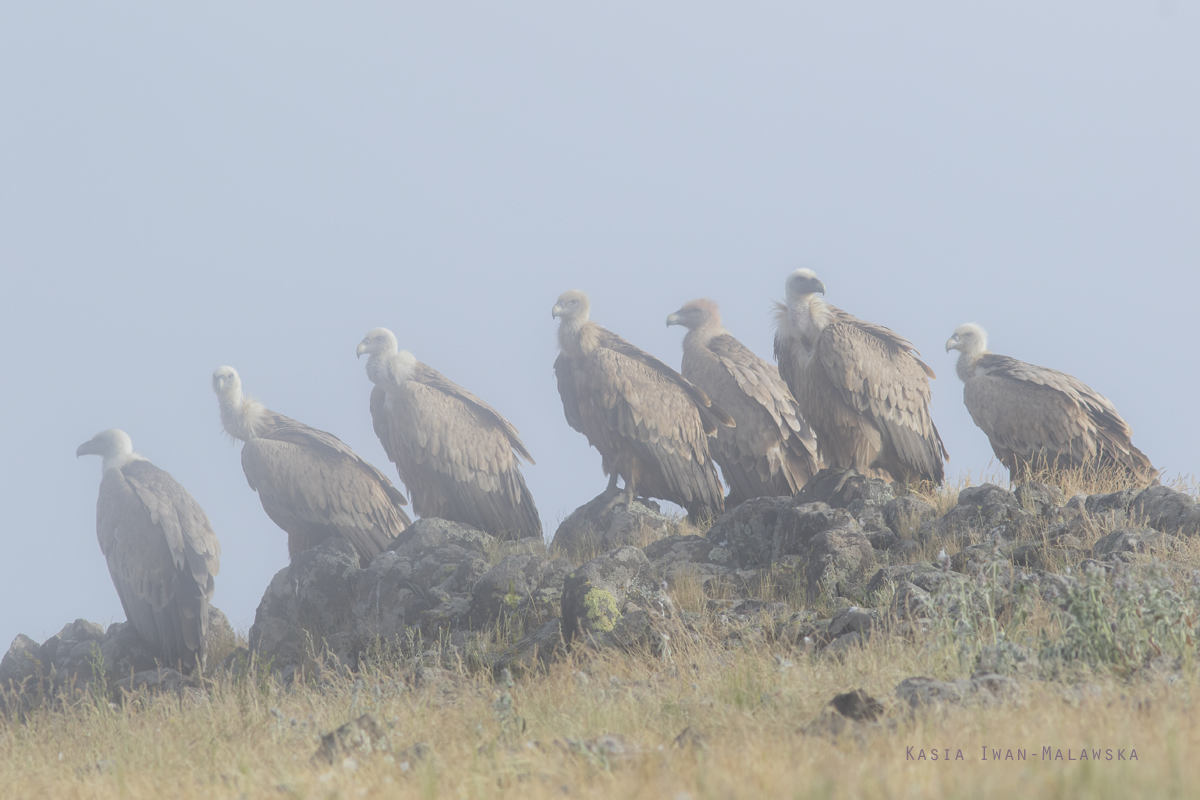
{"x": 696, "y": 314}
{"x": 113, "y": 445}
{"x": 378, "y": 342}
{"x": 572, "y": 307}
{"x": 802, "y": 283}
{"x": 226, "y": 383}
{"x": 239, "y": 414}
{"x": 969, "y": 339}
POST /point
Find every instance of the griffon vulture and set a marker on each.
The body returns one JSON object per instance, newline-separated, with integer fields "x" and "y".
{"x": 310, "y": 483}
{"x": 650, "y": 424}
{"x": 160, "y": 548}
{"x": 1036, "y": 417}
{"x": 455, "y": 453}
{"x": 859, "y": 385}
{"x": 772, "y": 451}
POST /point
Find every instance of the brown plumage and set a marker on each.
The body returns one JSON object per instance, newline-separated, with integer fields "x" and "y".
{"x": 310, "y": 482}
{"x": 1036, "y": 417}
{"x": 649, "y": 423}
{"x": 772, "y": 451}
{"x": 859, "y": 385}
{"x": 160, "y": 548}
{"x": 455, "y": 453}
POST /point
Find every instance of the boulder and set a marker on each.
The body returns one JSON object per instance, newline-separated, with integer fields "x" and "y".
{"x": 1166, "y": 510}
{"x": 591, "y": 529}
{"x": 906, "y": 514}
{"x": 698, "y": 558}
{"x": 982, "y": 689}
{"x": 839, "y": 559}
{"x": 765, "y": 530}
{"x": 981, "y": 511}
{"x": 523, "y": 587}
{"x": 614, "y": 600}
{"x": 536, "y": 651}
{"x": 1040, "y": 498}
{"x": 1127, "y": 543}
{"x": 422, "y": 583}
{"x": 306, "y": 604}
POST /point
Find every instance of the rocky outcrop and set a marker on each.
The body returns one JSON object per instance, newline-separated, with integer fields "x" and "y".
{"x": 596, "y": 527}
{"x": 615, "y": 600}
{"x": 84, "y": 657}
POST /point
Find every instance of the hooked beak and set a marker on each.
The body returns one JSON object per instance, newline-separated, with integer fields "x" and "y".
{"x": 952, "y": 343}
{"x": 557, "y": 311}
{"x": 362, "y": 348}
{"x": 88, "y": 448}
{"x": 672, "y": 319}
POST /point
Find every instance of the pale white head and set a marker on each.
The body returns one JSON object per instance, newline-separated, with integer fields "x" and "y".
{"x": 113, "y": 445}
{"x": 378, "y": 342}
{"x": 696, "y": 314}
{"x": 572, "y": 307}
{"x": 226, "y": 382}
{"x": 801, "y": 284}
{"x": 969, "y": 339}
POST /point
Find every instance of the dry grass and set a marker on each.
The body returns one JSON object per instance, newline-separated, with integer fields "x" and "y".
{"x": 749, "y": 704}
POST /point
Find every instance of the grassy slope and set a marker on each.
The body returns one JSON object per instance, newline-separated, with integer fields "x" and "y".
{"x": 749, "y": 703}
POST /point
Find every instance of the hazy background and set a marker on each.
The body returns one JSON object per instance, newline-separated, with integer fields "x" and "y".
{"x": 258, "y": 185}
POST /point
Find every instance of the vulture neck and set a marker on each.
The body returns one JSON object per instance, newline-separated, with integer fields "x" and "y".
{"x": 808, "y": 315}
{"x": 966, "y": 362}
{"x": 578, "y": 337}
{"x": 241, "y": 416}
{"x": 119, "y": 458}
{"x": 389, "y": 370}
{"x": 701, "y": 336}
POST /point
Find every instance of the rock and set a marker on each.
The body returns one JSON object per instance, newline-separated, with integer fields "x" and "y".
{"x": 983, "y": 689}
{"x": 423, "y": 584}
{"x": 360, "y": 737}
{"x": 614, "y": 600}
{"x": 697, "y": 558}
{"x": 428, "y": 533}
{"x": 853, "y": 620}
{"x": 590, "y": 529}
{"x": 1007, "y": 658}
{"x": 858, "y": 706}
{"x": 152, "y": 681}
{"x": 862, "y": 497}
{"x": 21, "y": 665}
{"x": 306, "y": 605}
{"x": 838, "y": 562}
{"x": 1124, "y": 544}
{"x": 910, "y": 602}
{"x": 1113, "y": 503}
{"x": 905, "y": 515}
{"x": 882, "y": 539}
{"x": 1039, "y": 498}
{"x": 125, "y": 652}
{"x": 536, "y": 651}
{"x": 1166, "y": 510}
{"x": 982, "y": 510}
{"x": 522, "y": 587}
{"x": 749, "y": 532}
{"x": 905, "y": 549}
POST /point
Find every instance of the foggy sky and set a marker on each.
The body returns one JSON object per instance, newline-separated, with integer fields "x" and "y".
{"x": 258, "y": 186}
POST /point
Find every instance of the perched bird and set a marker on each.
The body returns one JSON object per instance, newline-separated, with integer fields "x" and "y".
{"x": 859, "y": 385}
{"x": 160, "y": 548}
{"x": 649, "y": 423}
{"x": 310, "y": 483}
{"x": 455, "y": 453}
{"x": 1040, "y": 418}
{"x": 772, "y": 451}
